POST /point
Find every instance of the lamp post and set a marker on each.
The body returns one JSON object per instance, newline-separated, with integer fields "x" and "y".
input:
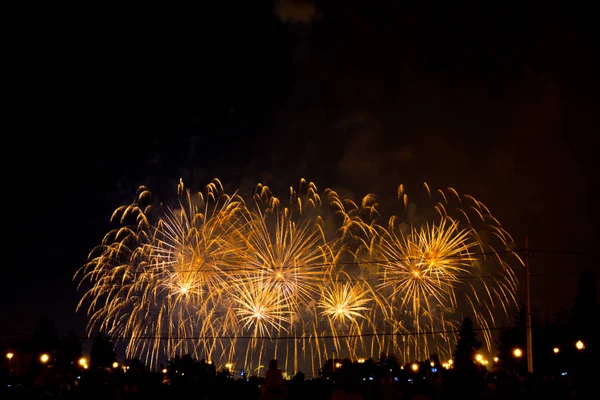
{"x": 44, "y": 359}
{"x": 10, "y": 356}
{"x": 528, "y": 311}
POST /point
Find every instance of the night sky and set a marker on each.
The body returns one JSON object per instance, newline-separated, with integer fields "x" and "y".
{"x": 499, "y": 103}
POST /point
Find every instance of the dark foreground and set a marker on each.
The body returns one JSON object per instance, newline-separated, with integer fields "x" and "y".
{"x": 439, "y": 386}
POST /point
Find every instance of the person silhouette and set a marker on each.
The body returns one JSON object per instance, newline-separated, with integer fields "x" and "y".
{"x": 274, "y": 385}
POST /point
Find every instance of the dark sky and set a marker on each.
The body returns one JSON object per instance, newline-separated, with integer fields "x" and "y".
{"x": 500, "y": 103}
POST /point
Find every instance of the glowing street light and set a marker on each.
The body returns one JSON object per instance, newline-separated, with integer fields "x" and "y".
{"x": 82, "y": 361}
{"x": 415, "y": 367}
{"x": 495, "y": 359}
{"x": 517, "y": 352}
{"x": 579, "y": 344}
{"x": 44, "y": 358}
{"x": 556, "y": 350}
{"x": 10, "y": 356}
{"x": 479, "y": 357}
{"x": 164, "y": 371}
{"x": 115, "y": 365}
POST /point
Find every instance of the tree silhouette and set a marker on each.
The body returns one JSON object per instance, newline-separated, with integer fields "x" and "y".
{"x": 70, "y": 350}
{"x": 582, "y": 319}
{"x": 467, "y": 345}
{"x": 511, "y": 338}
{"x": 465, "y": 372}
{"x": 388, "y": 364}
{"x": 585, "y": 310}
{"x": 44, "y": 338}
{"x": 102, "y": 354}
{"x": 186, "y": 368}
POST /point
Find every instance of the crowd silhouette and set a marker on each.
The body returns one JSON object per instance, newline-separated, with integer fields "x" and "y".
{"x": 351, "y": 381}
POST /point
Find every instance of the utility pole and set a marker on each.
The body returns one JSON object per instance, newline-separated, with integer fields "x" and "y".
{"x": 528, "y": 311}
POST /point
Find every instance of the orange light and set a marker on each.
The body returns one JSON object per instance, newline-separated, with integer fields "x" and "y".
{"x": 518, "y": 352}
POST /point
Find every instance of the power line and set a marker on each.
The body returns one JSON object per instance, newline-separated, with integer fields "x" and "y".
{"x": 563, "y": 252}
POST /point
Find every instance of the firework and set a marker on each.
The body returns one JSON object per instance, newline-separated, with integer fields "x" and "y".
{"x": 237, "y": 281}
{"x": 165, "y": 276}
{"x": 433, "y": 269}
{"x": 286, "y": 262}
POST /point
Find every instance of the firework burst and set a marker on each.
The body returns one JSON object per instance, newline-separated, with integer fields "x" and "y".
{"x": 241, "y": 281}
{"x": 433, "y": 269}
{"x": 165, "y": 276}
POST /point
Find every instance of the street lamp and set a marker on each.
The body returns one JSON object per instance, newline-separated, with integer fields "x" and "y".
{"x": 579, "y": 344}
{"x": 115, "y": 365}
{"x": 10, "y": 356}
{"x": 556, "y": 350}
{"x": 44, "y": 359}
{"x": 517, "y": 352}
